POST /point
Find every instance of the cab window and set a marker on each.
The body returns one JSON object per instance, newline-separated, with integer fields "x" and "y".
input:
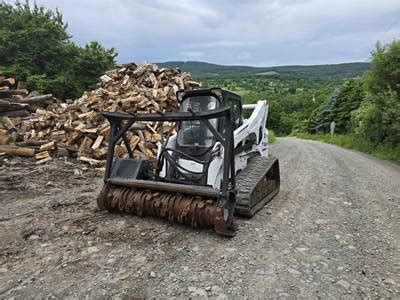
{"x": 236, "y": 107}
{"x": 195, "y": 133}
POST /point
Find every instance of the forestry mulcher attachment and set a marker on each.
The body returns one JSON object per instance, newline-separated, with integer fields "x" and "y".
{"x": 214, "y": 166}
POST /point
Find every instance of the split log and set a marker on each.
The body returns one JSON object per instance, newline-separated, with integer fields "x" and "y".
{"x": 97, "y": 142}
{"x": 5, "y": 138}
{"x": 74, "y": 137}
{"x": 91, "y": 161}
{"x": 42, "y": 155}
{"x": 58, "y": 134}
{"x": 8, "y": 81}
{"x": 80, "y": 127}
{"x": 8, "y": 124}
{"x": 101, "y": 153}
{"x": 147, "y": 152}
{"x": 90, "y": 130}
{"x": 134, "y": 141}
{"x": 47, "y": 147}
{"x": 15, "y": 150}
{"x": 86, "y": 143}
{"x": 120, "y": 151}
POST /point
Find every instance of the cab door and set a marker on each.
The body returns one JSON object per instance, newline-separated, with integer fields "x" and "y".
{"x": 236, "y": 107}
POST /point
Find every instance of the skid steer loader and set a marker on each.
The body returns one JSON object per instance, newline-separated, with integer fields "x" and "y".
{"x": 215, "y": 166}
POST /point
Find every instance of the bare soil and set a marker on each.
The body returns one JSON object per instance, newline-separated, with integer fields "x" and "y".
{"x": 333, "y": 231}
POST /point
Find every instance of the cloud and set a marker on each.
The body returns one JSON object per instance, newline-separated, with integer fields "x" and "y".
{"x": 232, "y": 31}
{"x": 192, "y": 54}
{"x": 222, "y": 44}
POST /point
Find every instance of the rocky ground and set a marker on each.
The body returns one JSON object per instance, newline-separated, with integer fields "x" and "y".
{"x": 333, "y": 231}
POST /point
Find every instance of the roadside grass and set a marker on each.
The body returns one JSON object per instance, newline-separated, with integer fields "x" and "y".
{"x": 355, "y": 143}
{"x": 271, "y": 137}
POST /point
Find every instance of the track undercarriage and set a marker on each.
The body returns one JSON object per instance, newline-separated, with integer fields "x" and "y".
{"x": 256, "y": 185}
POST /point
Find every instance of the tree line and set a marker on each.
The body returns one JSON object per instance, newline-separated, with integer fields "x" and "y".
{"x": 35, "y": 47}
{"x": 368, "y": 107}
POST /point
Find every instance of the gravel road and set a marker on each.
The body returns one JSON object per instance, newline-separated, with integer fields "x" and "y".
{"x": 333, "y": 231}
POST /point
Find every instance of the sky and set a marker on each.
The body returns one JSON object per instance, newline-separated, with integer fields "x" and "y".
{"x": 234, "y": 32}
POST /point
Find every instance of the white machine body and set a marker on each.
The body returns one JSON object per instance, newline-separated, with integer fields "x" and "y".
{"x": 251, "y": 136}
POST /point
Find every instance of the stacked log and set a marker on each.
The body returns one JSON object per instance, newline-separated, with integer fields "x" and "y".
{"x": 17, "y": 101}
{"x": 79, "y": 130}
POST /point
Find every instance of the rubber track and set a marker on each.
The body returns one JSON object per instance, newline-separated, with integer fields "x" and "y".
{"x": 249, "y": 179}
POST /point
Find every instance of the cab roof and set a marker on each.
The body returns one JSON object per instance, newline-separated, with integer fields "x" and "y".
{"x": 222, "y": 94}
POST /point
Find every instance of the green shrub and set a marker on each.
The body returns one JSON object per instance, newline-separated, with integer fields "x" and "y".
{"x": 271, "y": 137}
{"x": 366, "y": 122}
{"x": 382, "y": 151}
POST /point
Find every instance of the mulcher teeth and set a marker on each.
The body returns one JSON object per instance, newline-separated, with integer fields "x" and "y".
{"x": 175, "y": 207}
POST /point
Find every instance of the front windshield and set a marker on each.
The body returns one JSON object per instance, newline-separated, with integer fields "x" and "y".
{"x": 195, "y": 133}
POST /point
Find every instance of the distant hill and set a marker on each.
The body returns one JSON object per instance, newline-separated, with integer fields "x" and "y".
{"x": 203, "y": 69}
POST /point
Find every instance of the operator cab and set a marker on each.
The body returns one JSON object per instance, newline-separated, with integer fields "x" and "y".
{"x": 194, "y": 134}
{"x": 191, "y": 158}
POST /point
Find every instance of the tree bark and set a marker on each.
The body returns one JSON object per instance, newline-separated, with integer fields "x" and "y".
{"x": 15, "y": 150}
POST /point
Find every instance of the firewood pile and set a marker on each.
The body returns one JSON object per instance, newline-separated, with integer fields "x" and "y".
{"x": 16, "y": 101}
{"x": 78, "y": 130}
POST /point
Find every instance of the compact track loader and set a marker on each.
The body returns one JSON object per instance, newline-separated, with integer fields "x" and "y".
{"x": 214, "y": 166}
